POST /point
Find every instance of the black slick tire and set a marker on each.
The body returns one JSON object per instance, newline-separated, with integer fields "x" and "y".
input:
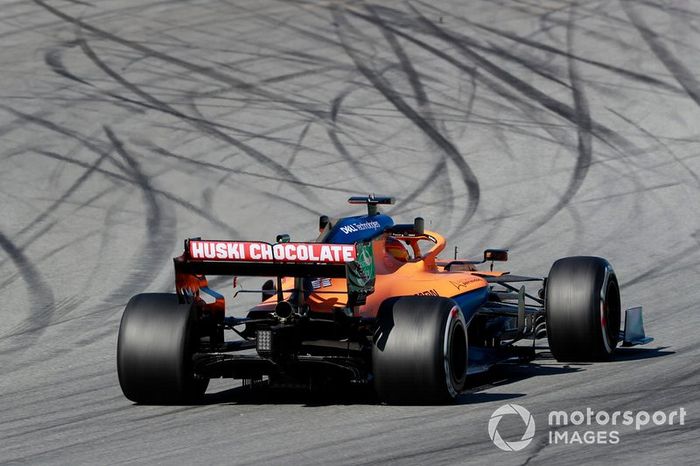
{"x": 157, "y": 337}
{"x": 419, "y": 353}
{"x": 582, "y": 304}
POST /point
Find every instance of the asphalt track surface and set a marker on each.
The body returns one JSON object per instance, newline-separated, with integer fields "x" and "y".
{"x": 552, "y": 128}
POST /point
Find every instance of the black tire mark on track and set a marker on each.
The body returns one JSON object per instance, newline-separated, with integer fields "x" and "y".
{"x": 544, "y": 69}
{"x": 43, "y": 122}
{"x": 107, "y": 224}
{"x": 192, "y": 96}
{"x": 160, "y": 228}
{"x": 559, "y": 108}
{"x": 624, "y": 23}
{"x": 438, "y": 176}
{"x": 526, "y": 106}
{"x": 155, "y": 104}
{"x": 332, "y": 131}
{"x": 228, "y": 172}
{"x": 547, "y": 24}
{"x": 206, "y": 195}
{"x": 80, "y": 2}
{"x": 347, "y": 157}
{"x": 610, "y": 138}
{"x": 66, "y": 194}
{"x": 40, "y": 233}
{"x": 385, "y": 88}
{"x": 584, "y": 136}
{"x": 612, "y": 38}
{"x": 337, "y": 102}
{"x": 54, "y": 59}
{"x": 573, "y": 188}
{"x": 39, "y": 292}
{"x": 202, "y": 125}
{"x": 298, "y": 145}
{"x": 207, "y": 198}
{"x": 198, "y": 69}
{"x": 463, "y": 43}
{"x": 683, "y": 75}
{"x": 669, "y": 262}
{"x": 644, "y": 78}
{"x": 670, "y": 151}
{"x": 264, "y": 135}
{"x": 280, "y": 198}
{"x": 45, "y": 256}
{"x": 218, "y": 167}
{"x": 670, "y": 8}
{"x": 167, "y": 195}
{"x": 116, "y": 176}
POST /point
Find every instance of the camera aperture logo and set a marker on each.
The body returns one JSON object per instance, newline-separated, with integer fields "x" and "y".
{"x": 527, "y": 418}
{"x": 580, "y": 427}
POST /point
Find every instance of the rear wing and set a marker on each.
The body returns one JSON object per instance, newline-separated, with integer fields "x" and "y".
{"x": 355, "y": 262}
{"x": 260, "y": 259}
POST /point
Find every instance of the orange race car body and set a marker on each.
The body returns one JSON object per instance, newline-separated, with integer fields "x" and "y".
{"x": 367, "y": 302}
{"x": 421, "y": 276}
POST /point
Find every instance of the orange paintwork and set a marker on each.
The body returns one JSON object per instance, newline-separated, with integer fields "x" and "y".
{"x": 192, "y": 285}
{"x": 420, "y": 276}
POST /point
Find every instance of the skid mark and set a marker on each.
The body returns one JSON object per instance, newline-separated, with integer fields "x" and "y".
{"x": 584, "y": 139}
{"x": 387, "y": 90}
{"x": 202, "y": 125}
{"x": 437, "y": 177}
{"x": 218, "y": 167}
{"x": 678, "y": 70}
{"x": 39, "y": 292}
{"x": 159, "y": 231}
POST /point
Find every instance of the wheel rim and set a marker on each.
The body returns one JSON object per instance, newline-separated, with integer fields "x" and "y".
{"x": 454, "y": 352}
{"x": 457, "y": 354}
{"x": 610, "y": 315}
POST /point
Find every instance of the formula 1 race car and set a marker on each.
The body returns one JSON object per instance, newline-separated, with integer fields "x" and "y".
{"x": 364, "y": 303}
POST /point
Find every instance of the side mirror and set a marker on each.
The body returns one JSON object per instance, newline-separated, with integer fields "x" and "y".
{"x": 499, "y": 255}
{"x": 323, "y": 222}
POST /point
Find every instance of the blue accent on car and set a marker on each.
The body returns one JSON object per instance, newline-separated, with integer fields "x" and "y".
{"x": 210, "y": 292}
{"x": 351, "y": 230}
{"x": 471, "y": 301}
{"x": 482, "y": 359}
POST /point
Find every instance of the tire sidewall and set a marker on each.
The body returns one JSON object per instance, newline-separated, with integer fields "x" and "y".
{"x": 411, "y": 350}
{"x": 154, "y": 349}
{"x": 455, "y": 322}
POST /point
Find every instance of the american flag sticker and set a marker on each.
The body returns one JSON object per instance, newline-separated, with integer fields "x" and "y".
{"x": 320, "y": 283}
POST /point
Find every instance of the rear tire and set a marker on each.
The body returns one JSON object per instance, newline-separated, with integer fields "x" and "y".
{"x": 582, "y": 304}
{"x": 157, "y": 338}
{"x": 420, "y": 350}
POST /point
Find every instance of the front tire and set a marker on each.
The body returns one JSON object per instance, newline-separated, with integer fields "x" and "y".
{"x": 419, "y": 353}
{"x": 157, "y": 338}
{"x": 582, "y": 304}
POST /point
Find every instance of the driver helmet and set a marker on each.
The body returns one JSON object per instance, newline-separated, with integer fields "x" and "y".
{"x": 396, "y": 249}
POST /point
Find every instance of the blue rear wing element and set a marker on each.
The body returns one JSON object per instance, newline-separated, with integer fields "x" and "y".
{"x": 371, "y": 199}
{"x": 361, "y": 228}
